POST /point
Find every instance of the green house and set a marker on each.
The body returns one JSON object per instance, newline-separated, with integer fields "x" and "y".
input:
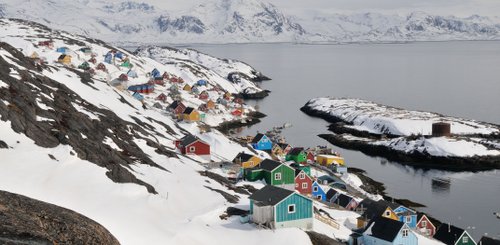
{"x": 126, "y": 64}
{"x": 274, "y": 173}
{"x": 452, "y": 235}
{"x": 306, "y": 168}
{"x": 297, "y": 154}
{"x": 276, "y": 207}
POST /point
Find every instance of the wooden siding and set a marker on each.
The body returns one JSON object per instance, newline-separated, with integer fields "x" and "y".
{"x": 287, "y": 175}
{"x": 469, "y": 241}
{"x": 411, "y": 239}
{"x": 303, "y": 208}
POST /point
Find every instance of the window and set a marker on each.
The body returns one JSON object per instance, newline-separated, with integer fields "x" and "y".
{"x": 277, "y": 176}
{"x": 304, "y": 185}
{"x": 408, "y": 219}
{"x": 405, "y": 232}
{"x": 315, "y": 189}
{"x": 291, "y": 208}
{"x": 387, "y": 213}
{"x": 296, "y": 185}
{"x": 318, "y": 197}
{"x": 465, "y": 239}
{"x": 424, "y": 223}
{"x": 192, "y": 149}
{"x": 302, "y": 175}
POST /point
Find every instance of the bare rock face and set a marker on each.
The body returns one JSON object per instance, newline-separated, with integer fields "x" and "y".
{"x": 27, "y": 221}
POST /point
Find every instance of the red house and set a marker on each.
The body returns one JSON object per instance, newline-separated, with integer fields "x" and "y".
{"x": 159, "y": 81}
{"x": 310, "y": 157}
{"x": 48, "y": 44}
{"x": 177, "y": 107}
{"x": 123, "y": 77}
{"x": 203, "y": 95}
{"x": 237, "y": 112}
{"x": 425, "y": 226}
{"x": 303, "y": 182}
{"x": 162, "y": 97}
{"x": 192, "y": 145}
{"x": 166, "y": 76}
{"x": 101, "y": 67}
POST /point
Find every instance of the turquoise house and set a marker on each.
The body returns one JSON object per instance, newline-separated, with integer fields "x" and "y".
{"x": 262, "y": 142}
{"x": 318, "y": 192}
{"x": 385, "y": 231}
{"x": 276, "y": 207}
{"x": 407, "y": 216}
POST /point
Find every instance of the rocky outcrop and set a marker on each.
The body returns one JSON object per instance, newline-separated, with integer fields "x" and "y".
{"x": 27, "y": 221}
{"x": 66, "y": 124}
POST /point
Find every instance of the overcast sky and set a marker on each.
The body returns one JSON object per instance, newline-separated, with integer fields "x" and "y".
{"x": 455, "y": 7}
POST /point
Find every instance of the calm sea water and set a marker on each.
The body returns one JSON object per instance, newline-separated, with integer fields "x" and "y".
{"x": 453, "y": 78}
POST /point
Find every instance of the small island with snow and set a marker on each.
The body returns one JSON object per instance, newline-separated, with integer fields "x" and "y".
{"x": 422, "y": 139}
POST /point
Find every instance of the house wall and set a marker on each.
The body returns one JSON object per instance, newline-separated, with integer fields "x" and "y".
{"x": 469, "y": 240}
{"x": 389, "y": 213}
{"x": 369, "y": 240}
{"x": 262, "y": 215}
{"x": 305, "y": 224}
{"x": 428, "y": 230}
{"x": 411, "y": 239}
{"x": 328, "y": 160}
{"x": 303, "y": 209}
{"x": 264, "y": 144}
{"x": 319, "y": 192}
{"x": 402, "y": 218}
{"x": 253, "y": 175}
{"x": 200, "y": 148}
{"x": 287, "y": 176}
{"x": 299, "y": 182}
{"x": 252, "y": 162}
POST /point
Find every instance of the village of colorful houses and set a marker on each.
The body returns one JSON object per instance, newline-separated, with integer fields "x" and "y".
{"x": 297, "y": 181}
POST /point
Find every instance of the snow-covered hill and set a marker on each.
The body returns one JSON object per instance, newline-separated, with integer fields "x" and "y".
{"x": 70, "y": 138}
{"x": 240, "y": 21}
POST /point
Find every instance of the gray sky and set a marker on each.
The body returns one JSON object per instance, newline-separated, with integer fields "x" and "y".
{"x": 447, "y": 7}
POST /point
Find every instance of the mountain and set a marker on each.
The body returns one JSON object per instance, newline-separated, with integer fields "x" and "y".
{"x": 242, "y": 21}
{"x": 72, "y": 135}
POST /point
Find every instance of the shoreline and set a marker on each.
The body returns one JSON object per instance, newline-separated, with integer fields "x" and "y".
{"x": 414, "y": 159}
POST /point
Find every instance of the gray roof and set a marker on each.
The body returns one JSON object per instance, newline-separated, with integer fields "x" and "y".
{"x": 488, "y": 241}
{"x": 243, "y": 157}
{"x": 269, "y": 165}
{"x": 270, "y": 195}
{"x": 188, "y": 139}
{"x": 385, "y": 228}
{"x": 257, "y": 138}
{"x": 448, "y": 234}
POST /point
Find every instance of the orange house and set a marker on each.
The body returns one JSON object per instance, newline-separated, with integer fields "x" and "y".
{"x": 210, "y": 104}
{"x": 64, "y": 59}
{"x": 187, "y": 88}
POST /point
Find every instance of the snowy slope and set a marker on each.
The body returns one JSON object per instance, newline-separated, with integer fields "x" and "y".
{"x": 76, "y": 141}
{"x": 242, "y": 21}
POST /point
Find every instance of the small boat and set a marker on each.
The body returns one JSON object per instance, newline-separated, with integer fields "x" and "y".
{"x": 497, "y": 214}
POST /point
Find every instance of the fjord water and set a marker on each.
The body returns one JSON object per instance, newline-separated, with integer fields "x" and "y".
{"x": 453, "y": 78}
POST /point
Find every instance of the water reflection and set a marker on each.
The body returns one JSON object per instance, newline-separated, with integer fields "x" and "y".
{"x": 441, "y": 185}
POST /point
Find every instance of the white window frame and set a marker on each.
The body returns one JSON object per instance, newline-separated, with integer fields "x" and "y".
{"x": 315, "y": 189}
{"x": 408, "y": 219}
{"x": 192, "y": 148}
{"x": 424, "y": 223}
{"x": 277, "y": 176}
{"x": 304, "y": 185}
{"x": 405, "y": 232}
{"x": 296, "y": 185}
{"x": 291, "y": 206}
{"x": 387, "y": 213}
{"x": 319, "y": 197}
{"x": 465, "y": 239}
{"x": 302, "y": 175}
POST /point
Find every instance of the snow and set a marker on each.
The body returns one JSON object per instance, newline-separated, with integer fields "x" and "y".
{"x": 3, "y": 84}
{"x": 246, "y": 22}
{"x": 380, "y": 119}
{"x": 426, "y": 240}
{"x": 111, "y": 143}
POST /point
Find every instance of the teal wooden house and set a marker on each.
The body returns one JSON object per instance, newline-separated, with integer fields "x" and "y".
{"x": 297, "y": 155}
{"x": 262, "y": 142}
{"x": 385, "y": 231}
{"x": 276, "y": 207}
{"x": 452, "y": 235}
{"x": 274, "y": 173}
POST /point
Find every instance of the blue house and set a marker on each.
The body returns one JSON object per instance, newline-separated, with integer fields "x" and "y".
{"x": 155, "y": 73}
{"x": 262, "y": 142}
{"x": 202, "y": 82}
{"x": 108, "y": 58}
{"x": 318, "y": 192}
{"x": 132, "y": 74}
{"x": 384, "y": 231}
{"x": 119, "y": 55}
{"x": 62, "y": 50}
{"x": 276, "y": 207}
{"x": 407, "y": 216}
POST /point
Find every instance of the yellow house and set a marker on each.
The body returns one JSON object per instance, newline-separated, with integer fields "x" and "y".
{"x": 247, "y": 160}
{"x": 210, "y": 104}
{"x": 191, "y": 115}
{"x": 64, "y": 59}
{"x": 389, "y": 213}
{"x": 187, "y": 88}
{"x": 329, "y": 160}
{"x": 34, "y": 55}
{"x": 277, "y": 150}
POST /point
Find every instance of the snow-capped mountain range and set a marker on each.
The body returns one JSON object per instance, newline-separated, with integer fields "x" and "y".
{"x": 240, "y": 21}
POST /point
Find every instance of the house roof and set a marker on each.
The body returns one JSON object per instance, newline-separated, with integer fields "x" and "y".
{"x": 188, "y": 110}
{"x": 296, "y": 151}
{"x": 330, "y": 179}
{"x": 343, "y": 200}
{"x": 270, "y": 195}
{"x": 448, "y": 234}
{"x": 188, "y": 139}
{"x": 488, "y": 241}
{"x": 373, "y": 209}
{"x": 257, "y": 138}
{"x": 283, "y": 145}
{"x": 243, "y": 157}
{"x": 385, "y": 229}
{"x": 62, "y": 56}
{"x": 175, "y": 104}
{"x": 330, "y": 193}
{"x": 269, "y": 165}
